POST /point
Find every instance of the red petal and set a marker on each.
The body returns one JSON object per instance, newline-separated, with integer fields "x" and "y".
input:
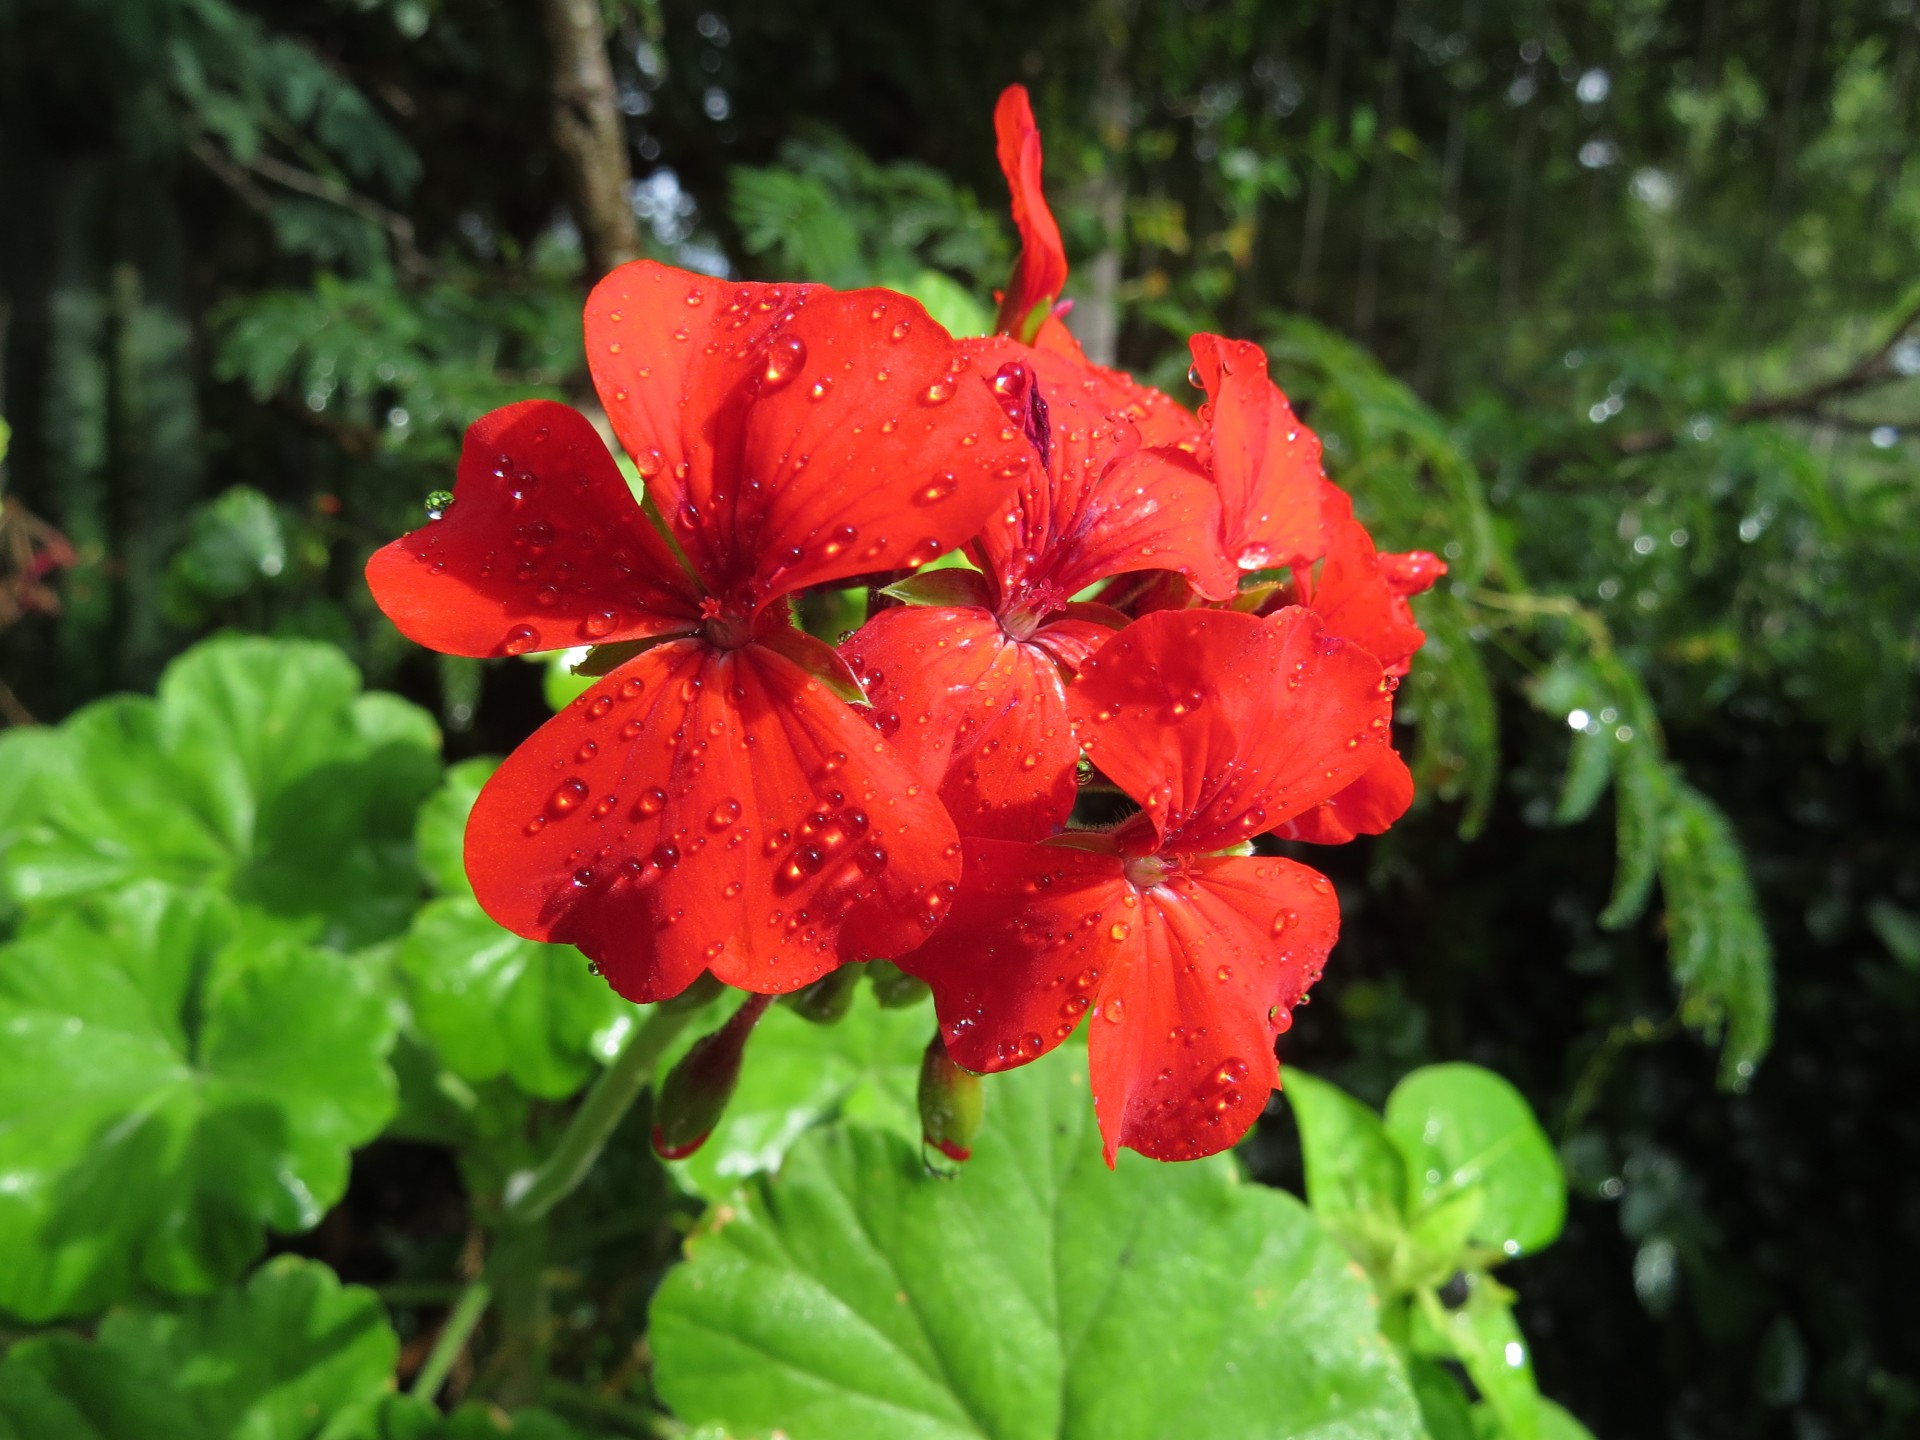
{"x": 1181, "y": 1039}
{"x": 1366, "y": 807}
{"x": 1225, "y": 725}
{"x": 1020, "y": 959}
{"x": 544, "y": 547}
{"x": 978, "y": 714}
{"x": 1359, "y": 597}
{"x": 791, "y": 434}
{"x": 1266, "y": 463}
{"x": 706, "y": 809}
{"x": 1041, "y": 271}
{"x": 1082, "y": 630}
{"x": 1187, "y": 981}
{"x": 1100, "y": 506}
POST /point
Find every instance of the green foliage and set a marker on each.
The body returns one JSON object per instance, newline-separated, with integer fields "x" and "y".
{"x": 1457, "y": 1178}
{"x": 176, "y": 1078}
{"x": 260, "y": 769}
{"x": 863, "y": 1069}
{"x": 1036, "y": 1294}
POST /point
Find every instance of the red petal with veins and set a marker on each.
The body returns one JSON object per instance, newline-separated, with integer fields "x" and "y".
{"x": 1041, "y": 271}
{"x": 979, "y": 715}
{"x": 1266, "y": 463}
{"x": 1074, "y": 636}
{"x": 1186, "y": 981}
{"x": 791, "y": 434}
{"x": 1181, "y": 1036}
{"x": 1225, "y": 725}
{"x": 1360, "y": 595}
{"x": 1100, "y": 505}
{"x": 1366, "y": 807}
{"x": 544, "y": 547}
{"x": 1022, "y": 957}
{"x": 707, "y": 809}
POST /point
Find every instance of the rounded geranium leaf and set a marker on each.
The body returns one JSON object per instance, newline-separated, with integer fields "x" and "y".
{"x": 980, "y": 715}
{"x": 706, "y": 809}
{"x": 1462, "y": 1127}
{"x": 260, "y": 768}
{"x": 439, "y": 835}
{"x": 177, "y": 1078}
{"x": 291, "y": 1355}
{"x": 1224, "y": 726}
{"x": 495, "y": 1004}
{"x": 543, "y": 547}
{"x": 792, "y": 434}
{"x": 855, "y": 1297}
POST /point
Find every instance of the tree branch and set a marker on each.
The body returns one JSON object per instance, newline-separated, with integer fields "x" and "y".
{"x": 588, "y": 131}
{"x": 1874, "y": 368}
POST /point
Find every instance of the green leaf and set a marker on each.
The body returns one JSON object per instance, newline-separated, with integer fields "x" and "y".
{"x": 1462, "y": 1127}
{"x": 494, "y": 1004}
{"x": 259, "y": 768}
{"x": 796, "y": 1075}
{"x": 1557, "y": 1424}
{"x": 1642, "y": 790}
{"x": 401, "y": 1417}
{"x": 1716, "y": 941}
{"x": 1444, "y": 1407}
{"x": 440, "y": 835}
{"x": 1356, "y": 1179}
{"x": 234, "y": 542}
{"x": 175, "y": 1078}
{"x": 1035, "y": 1295}
{"x": 1482, "y": 1336}
{"x": 274, "y": 1361}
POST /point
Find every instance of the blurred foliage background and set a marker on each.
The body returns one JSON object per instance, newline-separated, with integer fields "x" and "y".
{"x": 1613, "y": 304}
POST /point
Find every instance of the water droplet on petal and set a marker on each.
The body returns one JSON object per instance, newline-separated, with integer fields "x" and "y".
{"x": 569, "y": 793}
{"x": 786, "y": 356}
{"x": 520, "y": 639}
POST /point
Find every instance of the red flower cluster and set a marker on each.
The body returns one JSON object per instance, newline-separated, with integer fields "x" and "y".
{"x": 1185, "y": 601}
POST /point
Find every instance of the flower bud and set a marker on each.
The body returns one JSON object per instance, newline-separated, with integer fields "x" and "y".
{"x": 697, "y": 1089}
{"x": 893, "y": 987}
{"x": 827, "y": 1000}
{"x": 951, "y": 1103}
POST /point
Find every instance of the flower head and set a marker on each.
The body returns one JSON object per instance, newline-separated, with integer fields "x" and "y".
{"x": 711, "y": 804}
{"x": 1187, "y": 959}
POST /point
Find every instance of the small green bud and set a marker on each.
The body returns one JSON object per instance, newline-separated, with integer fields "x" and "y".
{"x": 827, "y": 1000}
{"x": 893, "y": 987}
{"x": 697, "y": 1089}
{"x": 951, "y": 1103}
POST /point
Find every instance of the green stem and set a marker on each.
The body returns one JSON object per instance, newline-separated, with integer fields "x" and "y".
{"x": 599, "y": 1115}
{"x": 453, "y": 1338}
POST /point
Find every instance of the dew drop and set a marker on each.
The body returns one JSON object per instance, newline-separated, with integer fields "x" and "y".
{"x": 568, "y": 794}
{"x": 786, "y": 356}
{"x": 599, "y": 624}
{"x": 938, "y": 393}
{"x": 652, "y": 800}
{"x": 438, "y": 503}
{"x": 521, "y": 639}
{"x": 936, "y": 489}
{"x": 725, "y": 815}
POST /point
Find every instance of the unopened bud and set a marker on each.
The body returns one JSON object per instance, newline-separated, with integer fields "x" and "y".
{"x": 893, "y": 987}
{"x": 696, "y": 1091}
{"x": 951, "y": 1103}
{"x": 827, "y": 1000}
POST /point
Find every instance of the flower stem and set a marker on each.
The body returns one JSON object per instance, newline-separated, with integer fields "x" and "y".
{"x": 594, "y": 1122}
{"x": 453, "y": 1338}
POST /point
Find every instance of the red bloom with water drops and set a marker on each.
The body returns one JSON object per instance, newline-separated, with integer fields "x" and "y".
{"x": 1040, "y": 272}
{"x": 1361, "y": 595}
{"x": 711, "y": 804}
{"x": 970, "y": 681}
{"x": 1187, "y": 957}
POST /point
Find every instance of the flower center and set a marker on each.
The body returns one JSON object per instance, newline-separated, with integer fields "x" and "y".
{"x": 726, "y": 628}
{"x": 1143, "y": 872}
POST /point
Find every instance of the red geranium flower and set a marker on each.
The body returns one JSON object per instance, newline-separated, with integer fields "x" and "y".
{"x": 1361, "y": 595}
{"x": 1189, "y": 960}
{"x": 1040, "y": 272}
{"x": 710, "y": 804}
{"x": 970, "y": 686}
